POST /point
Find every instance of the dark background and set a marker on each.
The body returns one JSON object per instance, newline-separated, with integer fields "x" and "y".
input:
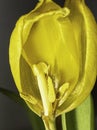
{"x": 13, "y": 116}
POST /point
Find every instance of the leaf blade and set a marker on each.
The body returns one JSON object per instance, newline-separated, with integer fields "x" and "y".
{"x": 34, "y": 119}
{"x": 81, "y": 118}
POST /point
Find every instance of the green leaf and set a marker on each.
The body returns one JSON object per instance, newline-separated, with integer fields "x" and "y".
{"x": 82, "y": 118}
{"x": 36, "y": 121}
{"x": 12, "y": 95}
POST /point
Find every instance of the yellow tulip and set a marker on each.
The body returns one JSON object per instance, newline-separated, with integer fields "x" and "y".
{"x": 53, "y": 56}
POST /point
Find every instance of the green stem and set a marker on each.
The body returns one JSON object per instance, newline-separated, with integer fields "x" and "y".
{"x": 64, "y": 127}
{"x": 49, "y": 122}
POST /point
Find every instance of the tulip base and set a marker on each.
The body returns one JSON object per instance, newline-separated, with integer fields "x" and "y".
{"x": 49, "y": 122}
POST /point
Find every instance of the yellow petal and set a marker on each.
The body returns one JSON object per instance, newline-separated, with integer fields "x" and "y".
{"x": 88, "y": 45}
{"x": 50, "y": 47}
{"x": 15, "y": 51}
{"x": 23, "y": 82}
{"x": 45, "y": 36}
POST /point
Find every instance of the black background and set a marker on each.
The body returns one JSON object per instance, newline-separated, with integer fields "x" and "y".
{"x": 13, "y": 116}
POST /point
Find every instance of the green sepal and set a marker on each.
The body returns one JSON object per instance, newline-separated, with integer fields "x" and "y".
{"x": 81, "y": 118}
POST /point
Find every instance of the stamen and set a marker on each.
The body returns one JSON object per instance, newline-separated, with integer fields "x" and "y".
{"x": 40, "y": 70}
{"x": 62, "y": 91}
{"x": 51, "y": 91}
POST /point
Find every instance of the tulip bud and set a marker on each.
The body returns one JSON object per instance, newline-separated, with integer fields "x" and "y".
{"x": 53, "y": 56}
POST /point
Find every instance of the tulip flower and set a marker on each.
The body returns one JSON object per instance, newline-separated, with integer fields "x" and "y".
{"x": 53, "y": 57}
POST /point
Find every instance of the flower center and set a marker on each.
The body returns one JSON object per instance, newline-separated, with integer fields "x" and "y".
{"x": 51, "y": 95}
